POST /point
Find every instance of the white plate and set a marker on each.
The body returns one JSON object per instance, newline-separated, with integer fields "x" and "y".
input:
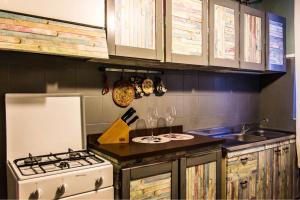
{"x": 177, "y": 136}
{"x": 149, "y": 140}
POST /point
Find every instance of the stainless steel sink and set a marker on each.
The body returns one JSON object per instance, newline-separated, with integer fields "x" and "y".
{"x": 242, "y": 137}
{"x": 266, "y": 134}
{"x": 234, "y": 136}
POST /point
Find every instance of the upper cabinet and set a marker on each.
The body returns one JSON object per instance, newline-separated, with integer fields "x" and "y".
{"x": 252, "y": 39}
{"x": 186, "y": 31}
{"x": 39, "y": 35}
{"x": 276, "y": 42}
{"x": 224, "y": 33}
{"x": 89, "y": 12}
{"x": 135, "y": 28}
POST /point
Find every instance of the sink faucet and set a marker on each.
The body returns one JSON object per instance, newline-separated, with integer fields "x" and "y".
{"x": 244, "y": 129}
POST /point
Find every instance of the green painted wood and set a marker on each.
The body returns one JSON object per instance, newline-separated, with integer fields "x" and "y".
{"x": 33, "y": 34}
{"x": 153, "y": 187}
{"x": 286, "y": 179}
{"x": 262, "y": 175}
{"x": 276, "y": 173}
{"x": 60, "y": 38}
{"x": 295, "y": 172}
{"x": 201, "y": 181}
{"x": 187, "y": 27}
{"x": 270, "y": 174}
{"x": 241, "y": 176}
{"x": 135, "y": 23}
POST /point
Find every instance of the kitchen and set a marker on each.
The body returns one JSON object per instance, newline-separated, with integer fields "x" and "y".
{"x": 205, "y": 96}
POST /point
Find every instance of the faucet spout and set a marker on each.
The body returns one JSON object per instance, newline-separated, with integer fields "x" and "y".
{"x": 244, "y": 129}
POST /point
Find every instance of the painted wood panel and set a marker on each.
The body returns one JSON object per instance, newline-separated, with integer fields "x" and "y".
{"x": 270, "y": 173}
{"x": 201, "y": 181}
{"x": 264, "y": 186}
{"x": 153, "y": 187}
{"x": 295, "y": 171}
{"x": 285, "y": 178}
{"x": 33, "y": 34}
{"x": 224, "y": 32}
{"x": 187, "y": 27}
{"x": 135, "y": 23}
{"x": 241, "y": 177}
{"x": 276, "y": 173}
{"x": 252, "y": 39}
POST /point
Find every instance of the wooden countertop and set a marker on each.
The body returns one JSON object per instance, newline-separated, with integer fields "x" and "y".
{"x": 134, "y": 150}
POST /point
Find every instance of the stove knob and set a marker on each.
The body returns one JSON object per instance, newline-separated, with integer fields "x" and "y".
{"x": 98, "y": 183}
{"x": 61, "y": 190}
{"x": 35, "y": 194}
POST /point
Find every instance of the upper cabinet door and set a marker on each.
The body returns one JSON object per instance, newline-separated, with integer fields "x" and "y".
{"x": 224, "y": 33}
{"x": 276, "y": 42}
{"x": 135, "y": 28}
{"x": 89, "y": 12}
{"x": 252, "y": 37}
{"x": 186, "y": 31}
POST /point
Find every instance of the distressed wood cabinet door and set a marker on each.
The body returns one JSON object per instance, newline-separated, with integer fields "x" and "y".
{"x": 286, "y": 176}
{"x": 154, "y": 181}
{"x": 135, "y": 28}
{"x": 295, "y": 172}
{"x": 200, "y": 176}
{"x": 275, "y": 42}
{"x": 241, "y": 177}
{"x": 264, "y": 185}
{"x": 252, "y": 38}
{"x": 282, "y": 180}
{"x": 224, "y": 33}
{"x": 186, "y": 31}
{"x": 276, "y": 173}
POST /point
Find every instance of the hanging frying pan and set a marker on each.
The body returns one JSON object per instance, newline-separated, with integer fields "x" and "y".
{"x": 148, "y": 86}
{"x": 123, "y": 93}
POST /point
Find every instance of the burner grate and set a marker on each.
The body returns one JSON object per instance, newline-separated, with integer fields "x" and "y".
{"x": 54, "y": 162}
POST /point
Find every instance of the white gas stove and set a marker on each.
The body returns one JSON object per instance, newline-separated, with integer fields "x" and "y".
{"x": 45, "y": 142}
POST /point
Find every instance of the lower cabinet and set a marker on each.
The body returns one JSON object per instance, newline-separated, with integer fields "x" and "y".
{"x": 295, "y": 172}
{"x": 241, "y": 177}
{"x": 200, "y": 176}
{"x": 268, "y": 172}
{"x": 196, "y": 176}
{"x": 275, "y": 167}
{"x": 153, "y": 181}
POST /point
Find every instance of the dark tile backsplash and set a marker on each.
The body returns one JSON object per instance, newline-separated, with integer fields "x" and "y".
{"x": 276, "y": 99}
{"x": 202, "y": 99}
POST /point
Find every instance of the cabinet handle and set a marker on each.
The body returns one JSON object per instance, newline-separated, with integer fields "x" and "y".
{"x": 244, "y": 160}
{"x": 244, "y": 184}
{"x": 286, "y": 149}
{"x": 278, "y": 151}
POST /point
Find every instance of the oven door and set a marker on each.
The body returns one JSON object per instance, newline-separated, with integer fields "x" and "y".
{"x": 105, "y": 193}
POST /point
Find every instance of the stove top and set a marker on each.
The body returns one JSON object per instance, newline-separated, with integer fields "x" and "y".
{"x": 34, "y": 165}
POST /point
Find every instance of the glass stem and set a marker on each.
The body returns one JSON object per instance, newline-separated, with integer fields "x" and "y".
{"x": 152, "y": 133}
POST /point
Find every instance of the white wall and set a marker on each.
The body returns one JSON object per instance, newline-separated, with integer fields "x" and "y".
{"x": 297, "y": 58}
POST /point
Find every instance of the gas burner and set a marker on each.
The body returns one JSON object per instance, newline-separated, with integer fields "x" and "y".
{"x": 55, "y": 162}
{"x": 31, "y": 160}
{"x": 64, "y": 165}
{"x": 73, "y": 154}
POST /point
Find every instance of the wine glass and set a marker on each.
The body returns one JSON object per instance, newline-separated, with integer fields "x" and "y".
{"x": 152, "y": 117}
{"x": 170, "y": 118}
